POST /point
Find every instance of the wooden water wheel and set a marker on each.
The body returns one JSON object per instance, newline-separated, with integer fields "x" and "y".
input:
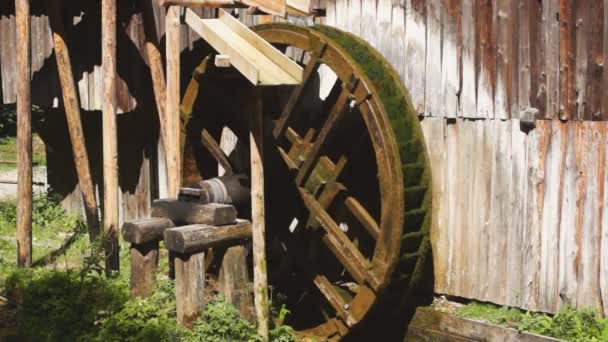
{"x": 347, "y": 177}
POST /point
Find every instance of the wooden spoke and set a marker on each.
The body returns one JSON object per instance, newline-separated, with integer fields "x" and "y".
{"x": 217, "y": 152}
{"x": 314, "y": 154}
{"x": 335, "y": 299}
{"x": 310, "y": 70}
{"x": 344, "y": 249}
{"x": 363, "y": 216}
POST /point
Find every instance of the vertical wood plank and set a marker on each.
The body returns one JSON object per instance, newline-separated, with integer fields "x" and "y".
{"x": 519, "y": 212}
{"x": 481, "y": 198}
{"x": 172, "y": 112}
{"x": 24, "y": 135}
{"x": 468, "y": 94}
{"x": 451, "y": 58}
{"x": 567, "y": 49}
{"x": 588, "y": 294}
{"x": 383, "y": 27}
{"x": 486, "y": 68}
{"x": 506, "y": 59}
{"x": 397, "y": 51}
{"x": 570, "y": 216}
{"x": 341, "y": 14}
{"x": 354, "y": 17}
{"x": 466, "y": 237}
{"x": 549, "y": 248}
{"x": 434, "y": 130}
{"x": 415, "y": 51}
{"x": 604, "y": 229}
{"x": 368, "y": 21}
{"x": 550, "y": 31}
{"x": 593, "y": 27}
{"x": 499, "y": 212}
{"x": 524, "y": 67}
{"x": 110, "y": 145}
{"x": 453, "y": 210}
{"x": 536, "y": 153}
{"x": 433, "y": 103}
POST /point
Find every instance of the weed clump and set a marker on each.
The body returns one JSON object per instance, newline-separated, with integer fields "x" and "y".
{"x": 570, "y": 324}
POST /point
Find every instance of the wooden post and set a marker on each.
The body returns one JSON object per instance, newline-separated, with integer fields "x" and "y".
{"x": 72, "y": 113}
{"x": 155, "y": 61}
{"x": 24, "y": 136}
{"x": 189, "y": 287}
{"x": 260, "y": 281}
{"x": 110, "y": 149}
{"x": 144, "y": 263}
{"x": 172, "y": 113}
{"x": 233, "y": 281}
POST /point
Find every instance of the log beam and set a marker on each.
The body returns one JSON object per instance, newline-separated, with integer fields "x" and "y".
{"x": 155, "y": 62}
{"x": 200, "y": 237}
{"x": 72, "y": 113}
{"x": 110, "y": 147}
{"x": 172, "y": 111}
{"x": 187, "y": 212}
{"x": 260, "y": 277}
{"x": 145, "y": 230}
{"x": 24, "y": 136}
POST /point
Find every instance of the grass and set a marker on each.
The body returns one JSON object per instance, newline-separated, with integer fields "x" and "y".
{"x": 570, "y": 324}
{"x": 8, "y": 152}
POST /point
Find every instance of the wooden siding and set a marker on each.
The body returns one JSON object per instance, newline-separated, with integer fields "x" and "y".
{"x": 520, "y": 217}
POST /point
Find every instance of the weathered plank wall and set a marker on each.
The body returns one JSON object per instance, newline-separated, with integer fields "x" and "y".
{"x": 521, "y": 215}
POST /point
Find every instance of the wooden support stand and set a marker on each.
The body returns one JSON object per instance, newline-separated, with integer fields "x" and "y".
{"x": 189, "y": 244}
{"x": 144, "y": 236}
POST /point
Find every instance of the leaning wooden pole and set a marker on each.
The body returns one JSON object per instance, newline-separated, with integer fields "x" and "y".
{"x": 24, "y": 136}
{"x": 155, "y": 61}
{"x": 260, "y": 280}
{"x": 110, "y": 148}
{"x": 72, "y": 113}
{"x": 172, "y": 113}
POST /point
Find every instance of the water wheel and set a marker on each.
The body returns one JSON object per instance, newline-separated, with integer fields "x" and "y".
{"x": 347, "y": 177}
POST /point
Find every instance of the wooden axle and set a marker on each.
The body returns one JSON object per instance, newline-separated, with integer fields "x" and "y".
{"x": 233, "y": 189}
{"x": 200, "y": 237}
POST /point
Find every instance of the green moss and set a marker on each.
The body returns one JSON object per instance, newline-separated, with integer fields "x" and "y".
{"x": 578, "y": 325}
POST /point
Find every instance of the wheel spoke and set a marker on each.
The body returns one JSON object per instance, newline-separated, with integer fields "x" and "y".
{"x": 309, "y": 71}
{"x": 335, "y": 299}
{"x": 216, "y": 151}
{"x": 338, "y": 242}
{"x": 363, "y": 216}
{"x": 313, "y": 156}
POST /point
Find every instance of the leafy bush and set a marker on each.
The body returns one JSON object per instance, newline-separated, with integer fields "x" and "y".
{"x": 63, "y": 306}
{"x": 46, "y": 213}
{"x": 570, "y": 324}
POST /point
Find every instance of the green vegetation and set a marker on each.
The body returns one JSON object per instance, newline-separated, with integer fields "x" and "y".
{"x": 8, "y": 131}
{"x": 68, "y": 297}
{"x": 578, "y": 325}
